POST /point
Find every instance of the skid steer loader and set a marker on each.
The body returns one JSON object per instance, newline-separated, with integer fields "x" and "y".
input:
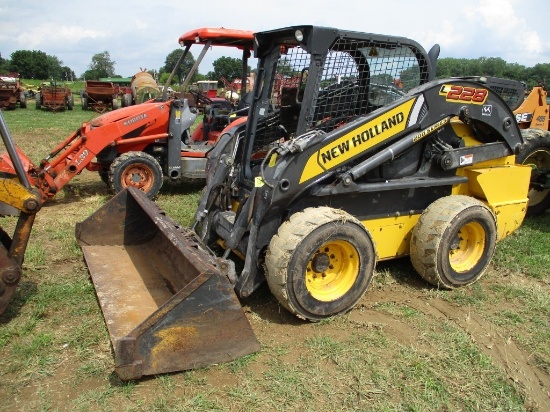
{"x": 352, "y": 154}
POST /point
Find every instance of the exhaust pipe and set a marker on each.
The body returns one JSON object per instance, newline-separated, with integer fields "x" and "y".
{"x": 167, "y": 305}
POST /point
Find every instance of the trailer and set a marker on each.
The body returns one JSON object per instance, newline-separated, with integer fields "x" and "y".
{"x": 11, "y": 92}
{"x": 54, "y": 97}
{"x": 99, "y": 96}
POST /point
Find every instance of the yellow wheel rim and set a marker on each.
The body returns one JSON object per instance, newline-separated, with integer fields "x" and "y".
{"x": 467, "y": 248}
{"x": 538, "y": 160}
{"x": 332, "y": 270}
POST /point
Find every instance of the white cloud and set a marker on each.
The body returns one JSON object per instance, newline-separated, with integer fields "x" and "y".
{"x": 143, "y": 33}
{"x": 46, "y": 34}
{"x": 140, "y": 24}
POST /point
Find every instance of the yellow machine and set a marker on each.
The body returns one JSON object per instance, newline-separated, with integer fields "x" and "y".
{"x": 352, "y": 154}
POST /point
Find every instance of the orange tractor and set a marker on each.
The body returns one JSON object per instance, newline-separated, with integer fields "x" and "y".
{"x": 139, "y": 145}
{"x": 135, "y": 146}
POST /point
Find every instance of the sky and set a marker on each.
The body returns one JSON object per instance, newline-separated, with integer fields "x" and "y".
{"x": 140, "y": 34}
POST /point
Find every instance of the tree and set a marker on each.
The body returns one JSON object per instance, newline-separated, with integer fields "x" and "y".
{"x": 539, "y": 74}
{"x": 183, "y": 70}
{"x": 228, "y": 67}
{"x": 30, "y": 64}
{"x": 55, "y": 69}
{"x": 4, "y": 65}
{"x": 101, "y": 66}
{"x": 67, "y": 74}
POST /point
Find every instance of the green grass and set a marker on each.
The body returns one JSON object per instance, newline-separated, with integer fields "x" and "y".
{"x": 406, "y": 347}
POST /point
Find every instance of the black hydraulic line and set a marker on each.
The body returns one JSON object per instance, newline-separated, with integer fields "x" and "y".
{"x": 390, "y": 152}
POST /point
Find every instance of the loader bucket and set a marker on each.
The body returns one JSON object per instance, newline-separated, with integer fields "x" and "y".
{"x": 166, "y": 304}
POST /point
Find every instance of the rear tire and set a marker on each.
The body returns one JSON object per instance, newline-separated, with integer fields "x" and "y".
{"x": 535, "y": 152}
{"x": 136, "y": 169}
{"x": 84, "y": 103}
{"x": 126, "y": 100}
{"x": 115, "y": 104}
{"x": 320, "y": 263}
{"x": 38, "y": 105}
{"x": 22, "y": 100}
{"x": 454, "y": 241}
{"x": 70, "y": 103}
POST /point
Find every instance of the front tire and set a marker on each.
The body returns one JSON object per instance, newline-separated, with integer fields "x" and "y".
{"x": 454, "y": 241}
{"x": 136, "y": 169}
{"x": 535, "y": 152}
{"x": 320, "y": 263}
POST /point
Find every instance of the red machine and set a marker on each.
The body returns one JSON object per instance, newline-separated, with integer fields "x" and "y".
{"x": 99, "y": 96}
{"x": 11, "y": 92}
{"x": 139, "y": 145}
{"x": 54, "y": 97}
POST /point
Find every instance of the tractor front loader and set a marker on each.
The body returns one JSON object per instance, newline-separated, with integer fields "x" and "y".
{"x": 352, "y": 154}
{"x": 532, "y": 112}
{"x": 533, "y": 117}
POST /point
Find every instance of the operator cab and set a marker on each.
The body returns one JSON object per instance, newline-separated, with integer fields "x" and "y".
{"x": 300, "y": 90}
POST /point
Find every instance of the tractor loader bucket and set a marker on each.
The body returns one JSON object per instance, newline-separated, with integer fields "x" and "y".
{"x": 166, "y": 303}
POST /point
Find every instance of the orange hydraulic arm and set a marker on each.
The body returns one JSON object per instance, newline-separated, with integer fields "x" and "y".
{"x": 144, "y": 124}
{"x": 533, "y": 112}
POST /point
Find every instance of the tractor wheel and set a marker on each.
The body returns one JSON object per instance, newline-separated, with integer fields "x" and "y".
{"x": 38, "y": 100}
{"x": 320, "y": 263}
{"x": 136, "y": 169}
{"x": 84, "y": 103}
{"x": 115, "y": 103}
{"x": 126, "y": 100}
{"x": 22, "y": 100}
{"x": 535, "y": 152}
{"x": 70, "y": 103}
{"x": 454, "y": 241}
{"x": 104, "y": 176}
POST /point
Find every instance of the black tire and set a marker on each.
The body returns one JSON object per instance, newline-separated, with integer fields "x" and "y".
{"x": 136, "y": 169}
{"x": 104, "y": 176}
{"x": 38, "y": 105}
{"x": 115, "y": 103}
{"x": 126, "y": 100}
{"x": 454, "y": 241}
{"x": 84, "y": 103}
{"x": 320, "y": 263}
{"x": 70, "y": 103}
{"x": 535, "y": 152}
{"x": 22, "y": 100}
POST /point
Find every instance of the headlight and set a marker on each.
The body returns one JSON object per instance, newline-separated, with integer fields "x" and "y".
{"x": 299, "y": 35}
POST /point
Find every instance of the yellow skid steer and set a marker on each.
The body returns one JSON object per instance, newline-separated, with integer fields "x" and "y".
{"x": 352, "y": 153}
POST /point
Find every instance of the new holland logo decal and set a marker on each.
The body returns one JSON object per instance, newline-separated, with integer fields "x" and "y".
{"x": 357, "y": 141}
